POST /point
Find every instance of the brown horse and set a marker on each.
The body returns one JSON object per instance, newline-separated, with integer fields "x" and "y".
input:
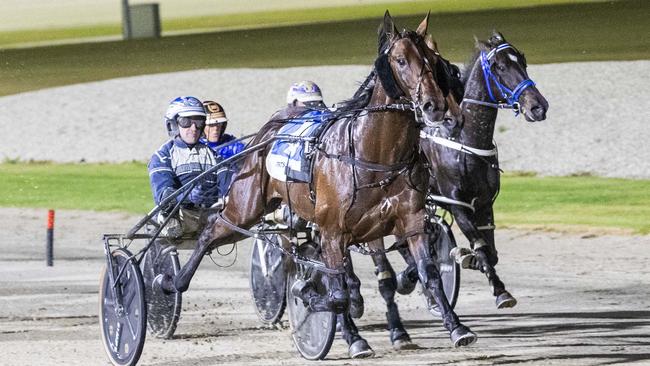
{"x": 464, "y": 164}
{"x": 368, "y": 182}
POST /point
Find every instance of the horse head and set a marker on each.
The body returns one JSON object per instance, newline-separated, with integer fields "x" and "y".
{"x": 504, "y": 68}
{"x": 406, "y": 70}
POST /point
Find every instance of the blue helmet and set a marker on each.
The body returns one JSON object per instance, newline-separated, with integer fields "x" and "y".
{"x": 182, "y": 107}
{"x": 304, "y": 91}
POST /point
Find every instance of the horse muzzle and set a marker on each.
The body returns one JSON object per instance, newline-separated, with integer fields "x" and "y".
{"x": 431, "y": 113}
{"x": 534, "y": 107}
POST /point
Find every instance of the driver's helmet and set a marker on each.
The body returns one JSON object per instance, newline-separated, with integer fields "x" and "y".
{"x": 182, "y": 107}
{"x": 305, "y": 91}
{"x": 214, "y": 113}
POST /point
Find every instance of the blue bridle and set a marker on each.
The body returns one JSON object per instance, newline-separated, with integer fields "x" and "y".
{"x": 511, "y": 96}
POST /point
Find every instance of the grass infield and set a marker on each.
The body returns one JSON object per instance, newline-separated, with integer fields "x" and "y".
{"x": 554, "y": 203}
{"x": 592, "y": 31}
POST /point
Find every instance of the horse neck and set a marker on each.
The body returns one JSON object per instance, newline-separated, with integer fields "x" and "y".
{"x": 478, "y": 120}
{"x": 384, "y": 137}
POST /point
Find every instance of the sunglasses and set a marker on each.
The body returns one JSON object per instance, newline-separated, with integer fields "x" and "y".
{"x": 186, "y": 122}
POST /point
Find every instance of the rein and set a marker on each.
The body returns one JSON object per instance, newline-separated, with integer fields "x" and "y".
{"x": 511, "y": 96}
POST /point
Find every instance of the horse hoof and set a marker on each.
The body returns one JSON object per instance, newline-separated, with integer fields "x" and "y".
{"x": 461, "y": 336}
{"x": 404, "y": 284}
{"x": 356, "y": 307}
{"x": 360, "y": 349}
{"x": 505, "y": 300}
{"x": 462, "y": 256}
{"x": 401, "y": 340}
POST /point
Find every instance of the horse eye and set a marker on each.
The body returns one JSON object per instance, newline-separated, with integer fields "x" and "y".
{"x": 500, "y": 67}
{"x": 401, "y": 61}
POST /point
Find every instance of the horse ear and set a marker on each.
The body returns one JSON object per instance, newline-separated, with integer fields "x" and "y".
{"x": 428, "y": 40}
{"x": 496, "y": 38}
{"x": 389, "y": 27}
{"x": 422, "y": 28}
{"x": 483, "y": 46}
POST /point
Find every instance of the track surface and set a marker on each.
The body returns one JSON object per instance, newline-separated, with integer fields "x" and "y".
{"x": 583, "y": 300}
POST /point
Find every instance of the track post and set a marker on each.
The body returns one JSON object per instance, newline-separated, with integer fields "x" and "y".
{"x": 49, "y": 247}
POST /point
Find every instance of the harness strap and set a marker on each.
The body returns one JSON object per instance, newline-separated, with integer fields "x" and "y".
{"x": 395, "y": 246}
{"x": 492, "y": 105}
{"x": 443, "y": 199}
{"x": 384, "y": 182}
{"x": 458, "y": 146}
{"x": 367, "y": 165}
{"x": 486, "y": 227}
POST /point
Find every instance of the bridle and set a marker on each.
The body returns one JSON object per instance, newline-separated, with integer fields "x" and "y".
{"x": 508, "y": 98}
{"x": 390, "y": 84}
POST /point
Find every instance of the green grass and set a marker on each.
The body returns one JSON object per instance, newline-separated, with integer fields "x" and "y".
{"x": 525, "y": 200}
{"x": 557, "y": 33}
{"x": 100, "y": 187}
{"x": 574, "y": 201}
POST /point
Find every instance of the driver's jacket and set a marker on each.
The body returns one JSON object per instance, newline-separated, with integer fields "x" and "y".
{"x": 176, "y": 163}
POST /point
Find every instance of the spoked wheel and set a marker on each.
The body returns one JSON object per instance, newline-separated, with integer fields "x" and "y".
{"x": 442, "y": 241}
{"x": 268, "y": 280}
{"x": 163, "y": 309}
{"x": 312, "y": 332}
{"x": 122, "y": 311}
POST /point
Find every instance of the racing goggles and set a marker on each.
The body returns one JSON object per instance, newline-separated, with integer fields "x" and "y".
{"x": 186, "y": 122}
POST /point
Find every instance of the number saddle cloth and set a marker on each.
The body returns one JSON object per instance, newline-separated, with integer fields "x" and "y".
{"x": 291, "y": 154}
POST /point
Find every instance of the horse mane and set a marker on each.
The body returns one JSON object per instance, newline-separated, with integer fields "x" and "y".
{"x": 494, "y": 41}
{"x": 467, "y": 68}
{"x": 361, "y": 97}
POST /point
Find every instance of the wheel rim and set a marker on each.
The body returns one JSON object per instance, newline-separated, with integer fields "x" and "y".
{"x": 312, "y": 332}
{"x": 268, "y": 280}
{"x": 123, "y": 328}
{"x": 163, "y": 309}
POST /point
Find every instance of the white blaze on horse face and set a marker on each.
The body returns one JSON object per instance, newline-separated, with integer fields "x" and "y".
{"x": 513, "y": 58}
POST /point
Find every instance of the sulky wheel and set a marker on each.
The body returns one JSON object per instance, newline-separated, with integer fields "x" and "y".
{"x": 442, "y": 241}
{"x": 268, "y": 280}
{"x": 312, "y": 332}
{"x": 163, "y": 309}
{"x": 122, "y": 311}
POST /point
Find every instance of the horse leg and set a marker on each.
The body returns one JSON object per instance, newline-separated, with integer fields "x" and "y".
{"x": 430, "y": 279}
{"x": 387, "y": 283}
{"x": 354, "y": 286}
{"x": 408, "y": 278}
{"x": 338, "y": 298}
{"x": 357, "y": 346}
{"x": 485, "y": 254}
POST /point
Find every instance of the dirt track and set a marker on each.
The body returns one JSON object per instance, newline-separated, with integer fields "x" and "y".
{"x": 583, "y": 300}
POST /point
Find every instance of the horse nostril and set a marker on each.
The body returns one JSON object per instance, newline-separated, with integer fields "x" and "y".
{"x": 538, "y": 111}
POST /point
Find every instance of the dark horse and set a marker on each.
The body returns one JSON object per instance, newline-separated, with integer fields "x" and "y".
{"x": 368, "y": 182}
{"x": 464, "y": 165}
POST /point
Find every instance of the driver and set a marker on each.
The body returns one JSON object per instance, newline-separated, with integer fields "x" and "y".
{"x": 222, "y": 144}
{"x": 302, "y": 96}
{"x": 180, "y": 160}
